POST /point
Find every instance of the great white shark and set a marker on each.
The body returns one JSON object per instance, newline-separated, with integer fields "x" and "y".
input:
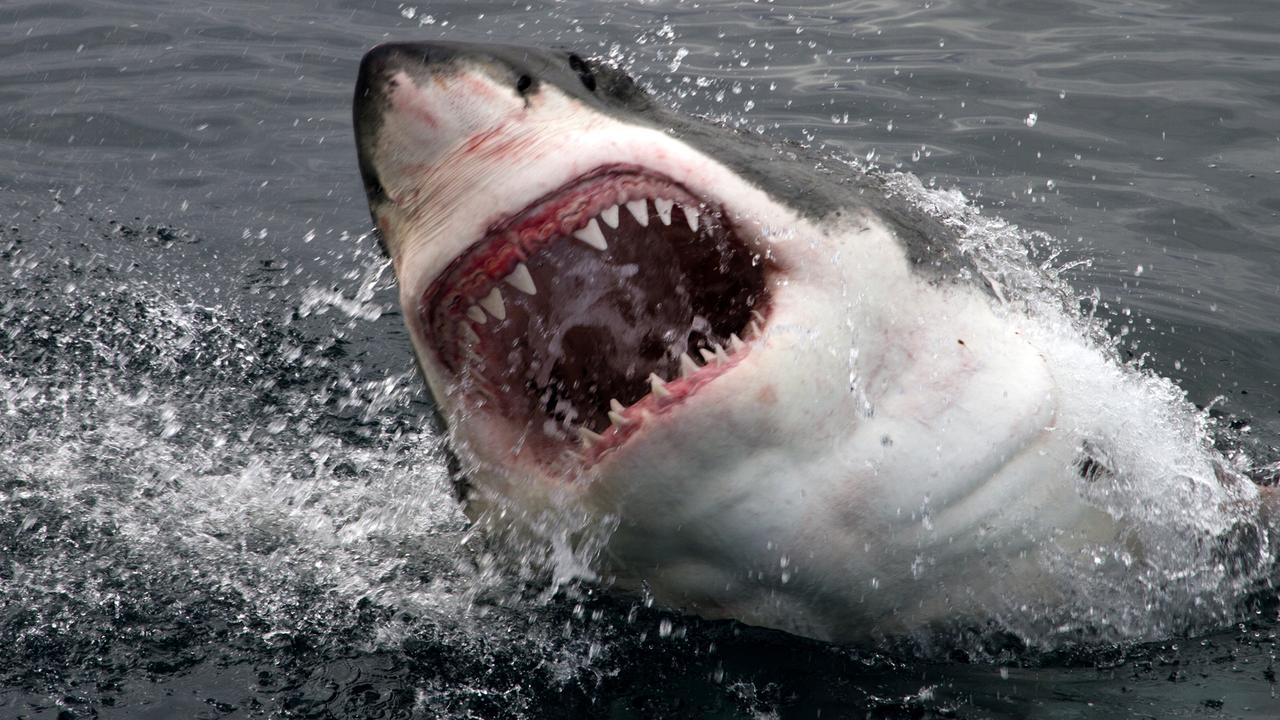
{"x": 785, "y": 394}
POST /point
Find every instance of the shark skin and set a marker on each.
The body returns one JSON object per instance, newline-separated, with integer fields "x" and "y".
{"x": 858, "y": 441}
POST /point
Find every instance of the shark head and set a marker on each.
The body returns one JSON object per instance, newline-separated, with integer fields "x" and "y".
{"x": 775, "y": 383}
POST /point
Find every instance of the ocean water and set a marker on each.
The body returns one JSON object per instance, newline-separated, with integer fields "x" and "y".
{"x": 220, "y": 493}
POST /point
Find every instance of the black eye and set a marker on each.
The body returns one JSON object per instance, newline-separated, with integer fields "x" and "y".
{"x": 523, "y": 83}
{"x": 580, "y": 66}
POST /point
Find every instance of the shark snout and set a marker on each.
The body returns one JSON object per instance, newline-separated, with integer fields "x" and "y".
{"x": 416, "y": 102}
{"x": 422, "y": 107}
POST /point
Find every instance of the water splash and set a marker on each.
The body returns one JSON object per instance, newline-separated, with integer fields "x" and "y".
{"x": 232, "y": 477}
{"x": 1193, "y": 547}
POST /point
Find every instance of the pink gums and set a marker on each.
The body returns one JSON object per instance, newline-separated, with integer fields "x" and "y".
{"x": 651, "y": 406}
{"x": 514, "y": 239}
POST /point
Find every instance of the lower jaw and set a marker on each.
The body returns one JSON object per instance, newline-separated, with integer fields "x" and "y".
{"x": 529, "y": 443}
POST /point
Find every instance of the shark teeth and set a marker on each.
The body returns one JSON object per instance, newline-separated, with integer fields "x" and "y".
{"x": 588, "y": 438}
{"x": 639, "y": 210}
{"x": 521, "y": 280}
{"x": 623, "y": 419}
{"x": 592, "y": 235}
{"x": 691, "y": 217}
{"x": 663, "y": 206}
{"x": 486, "y": 312}
{"x": 610, "y": 216}
{"x": 687, "y": 365}
{"x": 493, "y": 303}
{"x": 616, "y": 416}
{"x": 658, "y": 386}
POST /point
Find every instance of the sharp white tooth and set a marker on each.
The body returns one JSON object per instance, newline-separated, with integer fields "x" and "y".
{"x": 658, "y": 386}
{"x": 753, "y": 329}
{"x": 588, "y": 438}
{"x": 707, "y": 355}
{"x": 664, "y": 209}
{"x": 610, "y": 216}
{"x": 475, "y": 313}
{"x": 493, "y": 303}
{"x": 592, "y": 235}
{"x": 469, "y": 334}
{"x": 735, "y": 343}
{"x": 691, "y": 215}
{"x": 757, "y": 316}
{"x": 521, "y": 280}
{"x": 640, "y": 211}
{"x": 687, "y": 365}
{"x": 615, "y": 414}
{"x": 721, "y": 355}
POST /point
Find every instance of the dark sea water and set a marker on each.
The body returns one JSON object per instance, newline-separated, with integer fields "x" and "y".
{"x": 219, "y": 495}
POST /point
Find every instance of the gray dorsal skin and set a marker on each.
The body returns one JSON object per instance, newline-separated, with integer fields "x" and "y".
{"x": 787, "y": 171}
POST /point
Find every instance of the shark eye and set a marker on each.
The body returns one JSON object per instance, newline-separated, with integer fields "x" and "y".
{"x": 523, "y": 83}
{"x": 580, "y": 66}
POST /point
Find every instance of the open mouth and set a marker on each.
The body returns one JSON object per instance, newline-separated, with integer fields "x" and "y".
{"x": 598, "y": 307}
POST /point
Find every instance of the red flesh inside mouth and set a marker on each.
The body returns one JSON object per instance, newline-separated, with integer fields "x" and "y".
{"x": 563, "y": 315}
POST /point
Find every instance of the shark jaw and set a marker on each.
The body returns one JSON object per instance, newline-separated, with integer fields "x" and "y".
{"x": 577, "y": 319}
{"x": 777, "y": 407}
{"x": 571, "y": 281}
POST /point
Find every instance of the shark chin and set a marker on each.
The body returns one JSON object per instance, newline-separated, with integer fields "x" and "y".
{"x": 765, "y": 391}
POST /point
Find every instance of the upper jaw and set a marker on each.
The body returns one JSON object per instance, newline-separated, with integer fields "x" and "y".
{"x": 591, "y": 209}
{"x": 444, "y": 221}
{"x": 444, "y": 207}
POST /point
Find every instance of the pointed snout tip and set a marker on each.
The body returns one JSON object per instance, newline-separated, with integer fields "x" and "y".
{"x": 409, "y": 56}
{"x": 376, "y": 66}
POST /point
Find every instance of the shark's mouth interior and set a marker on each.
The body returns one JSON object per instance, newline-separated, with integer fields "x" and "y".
{"x": 597, "y": 306}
